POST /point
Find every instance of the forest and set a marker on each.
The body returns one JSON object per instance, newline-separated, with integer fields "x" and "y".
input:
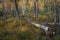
{"x": 18, "y": 19}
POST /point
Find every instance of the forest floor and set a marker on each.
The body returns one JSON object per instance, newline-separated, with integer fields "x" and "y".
{"x": 14, "y": 29}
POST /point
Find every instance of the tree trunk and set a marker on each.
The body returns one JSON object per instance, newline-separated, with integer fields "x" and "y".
{"x": 57, "y": 17}
{"x": 9, "y": 7}
{"x": 23, "y": 7}
{"x": 4, "y": 10}
{"x": 35, "y": 9}
{"x": 16, "y": 6}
